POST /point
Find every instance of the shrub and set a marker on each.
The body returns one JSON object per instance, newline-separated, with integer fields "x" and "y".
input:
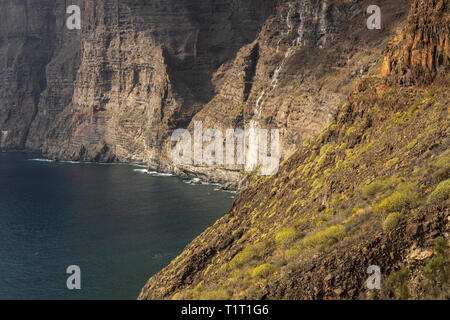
{"x": 176, "y": 296}
{"x": 412, "y": 144}
{"x": 373, "y": 189}
{"x": 247, "y": 255}
{"x": 398, "y": 283}
{"x": 395, "y": 202}
{"x": 286, "y": 236}
{"x": 437, "y": 272}
{"x": 263, "y": 271}
{"x": 443, "y": 166}
{"x": 324, "y": 237}
{"x": 215, "y": 295}
{"x": 441, "y": 192}
{"x": 402, "y": 199}
{"x": 376, "y": 187}
{"x": 391, "y": 162}
{"x": 306, "y": 143}
{"x": 392, "y": 221}
{"x": 350, "y": 131}
{"x": 198, "y": 289}
{"x": 326, "y": 149}
{"x": 438, "y": 267}
{"x": 291, "y": 254}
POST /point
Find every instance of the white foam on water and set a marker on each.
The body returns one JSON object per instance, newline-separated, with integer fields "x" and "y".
{"x": 41, "y": 160}
{"x": 159, "y": 174}
{"x": 153, "y": 173}
{"x": 196, "y": 181}
{"x": 75, "y": 162}
{"x": 138, "y": 165}
{"x": 141, "y": 170}
{"x": 211, "y": 184}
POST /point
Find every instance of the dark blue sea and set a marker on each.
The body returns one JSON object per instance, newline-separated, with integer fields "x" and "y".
{"x": 119, "y": 224}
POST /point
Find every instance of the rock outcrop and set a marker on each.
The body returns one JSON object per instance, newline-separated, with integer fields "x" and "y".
{"x": 421, "y": 53}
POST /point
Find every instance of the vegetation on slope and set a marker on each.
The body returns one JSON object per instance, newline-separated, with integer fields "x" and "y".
{"x": 382, "y": 162}
{"x": 371, "y": 189}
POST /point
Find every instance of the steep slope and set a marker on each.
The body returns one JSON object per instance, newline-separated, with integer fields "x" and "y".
{"x": 38, "y": 64}
{"x": 296, "y": 73}
{"x": 146, "y": 70}
{"x": 138, "y": 70}
{"x": 115, "y": 90}
{"x": 371, "y": 189}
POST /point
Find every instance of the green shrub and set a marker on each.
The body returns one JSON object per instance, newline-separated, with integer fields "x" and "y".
{"x": 443, "y": 163}
{"x": 324, "y": 237}
{"x": 286, "y": 236}
{"x": 379, "y": 186}
{"x": 441, "y": 192}
{"x": 391, "y": 162}
{"x": 321, "y": 161}
{"x": 398, "y": 283}
{"x": 412, "y": 144}
{"x": 263, "y": 271}
{"x": 395, "y": 202}
{"x": 437, "y": 272}
{"x": 247, "y": 255}
{"x": 437, "y": 269}
{"x": 350, "y": 131}
{"x": 391, "y": 221}
{"x": 215, "y": 295}
{"x": 402, "y": 199}
{"x": 374, "y": 188}
{"x": 326, "y": 149}
{"x": 443, "y": 166}
{"x": 291, "y": 254}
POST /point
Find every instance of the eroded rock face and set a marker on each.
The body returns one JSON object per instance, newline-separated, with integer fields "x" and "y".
{"x": 421, "y": 54}
{"x": 146, "y": 70}
{"x": 300, "y": 68}
{"x": 274, "y": 221}
{"x": 117, "y": 89}
{"x": 156, "y": 57}
{"x": 38, "y": 62}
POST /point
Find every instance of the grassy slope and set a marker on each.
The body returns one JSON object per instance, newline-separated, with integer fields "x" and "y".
{"x": 387, "y": 151}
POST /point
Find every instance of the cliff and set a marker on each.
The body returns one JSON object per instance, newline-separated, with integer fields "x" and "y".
{"x": 372, "y": 189}
{"x": 38, "y": 64}
{"x": 365, "y": 180}
{"x": 420, "y": 53}
{"x": 116, "y": 90}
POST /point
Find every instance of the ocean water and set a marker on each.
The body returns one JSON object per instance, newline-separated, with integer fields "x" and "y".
{"x": 120, "y": 224}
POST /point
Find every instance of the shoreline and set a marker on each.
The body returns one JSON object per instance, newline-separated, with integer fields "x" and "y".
{"x": 142, "y": 168}
{"x": 194, "y": 174}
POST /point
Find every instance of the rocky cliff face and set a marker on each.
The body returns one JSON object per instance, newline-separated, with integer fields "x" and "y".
{"x": 38, "y": 63}
{"x": 299, "y": 69}
{"x": 372, "y": 189}
{"x": 117, "y": 89}
{"x": 138, "y": 70}
{"x": 146, "y": 70}
{"x": 421, "y": 53}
